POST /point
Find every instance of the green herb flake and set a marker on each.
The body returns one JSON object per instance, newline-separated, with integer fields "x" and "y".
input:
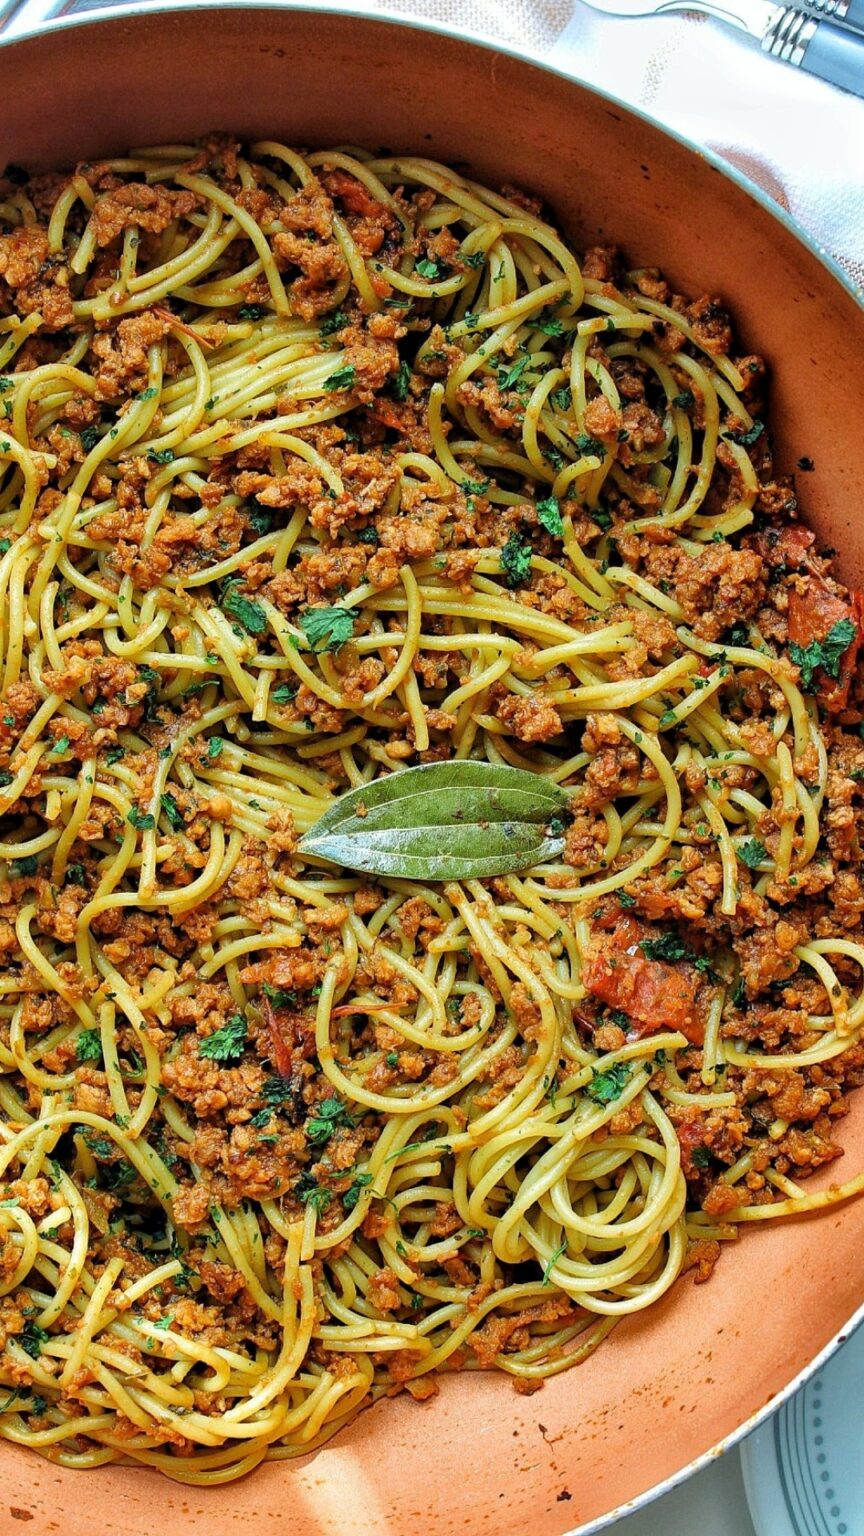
{"x": 249, "y": 614}
{"x": 552, "y": 1261}
{"x": 335, "y": 322}
{"x": 748, "y": 436}
{"x": 33, "y": 1338}
{"x": 359, "y": 1182}
{"x": 669, "y": 946}
{"x": 605, "y": 1087}
{"x": 21, "y": 868}
{"x": 400, "y": 382}
{"x": 343, "y": 378}
{"x": 549, "y": 516}
{"x": 548, "y": 327}
{"x": 326, "y": 629}
{"x": 310, "y": 1192}
{"x": 752, "y": 852}
{"x": 142, "y": 821}
{"x": 226, "y": 1043}
{"x": 826, "y": 653}
{"x": 88, "y": 1045}
{"x": 516, "y": 561}
{"x": 684, "y": 400}
{"x": 428, "y": 269}
{"x": 329, "y": 1114}
{"x": 172, "y": 812}
{"x": 214, "y": 748}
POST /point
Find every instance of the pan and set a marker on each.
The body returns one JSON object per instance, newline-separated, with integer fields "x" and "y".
{"x": 684, "y": 1382}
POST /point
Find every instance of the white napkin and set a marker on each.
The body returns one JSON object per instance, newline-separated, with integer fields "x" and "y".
{"x": 801, "y": 140}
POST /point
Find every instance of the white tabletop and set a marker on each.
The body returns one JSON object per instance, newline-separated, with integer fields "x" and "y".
{"x": 712, "y": 1503}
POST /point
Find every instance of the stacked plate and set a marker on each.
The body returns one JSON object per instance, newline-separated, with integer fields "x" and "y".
{"x": 804, "y": 1471}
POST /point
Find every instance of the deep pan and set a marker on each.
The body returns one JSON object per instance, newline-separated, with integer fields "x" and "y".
{"x": 686, "y": 1375}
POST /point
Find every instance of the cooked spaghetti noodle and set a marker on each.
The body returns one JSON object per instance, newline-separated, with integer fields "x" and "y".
{"x": 311, "y": 468}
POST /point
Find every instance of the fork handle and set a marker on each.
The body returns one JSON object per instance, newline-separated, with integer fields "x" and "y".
{"x": 835, "y": 54}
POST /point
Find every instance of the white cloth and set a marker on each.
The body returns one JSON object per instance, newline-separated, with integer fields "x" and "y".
{"x": 801, "y": 140}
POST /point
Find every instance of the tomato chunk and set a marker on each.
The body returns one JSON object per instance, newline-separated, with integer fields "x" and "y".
{"x": 788, "y": 546}
{"x": 813, "y": 614}
{"x": 352, "y": 194}
{"x": 653, "y": 994}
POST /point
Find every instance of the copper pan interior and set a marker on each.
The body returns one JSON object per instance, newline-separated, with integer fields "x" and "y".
{"x": 670, "y": 1385}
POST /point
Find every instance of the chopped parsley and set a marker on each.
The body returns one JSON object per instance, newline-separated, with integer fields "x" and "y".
{"x": 826, "y": 653}
{"x": 509, "y": 376}
{"x": 310, "y": 1192}
{"x": 60, "y": 746}
{"x": 33, "y": 1338}
{"x": 160, "y": 455}
{"x": 669, "y": 946}
{"x": 747, "y": 436}
{"x": 626, "y": 899}
{"x": 334, "y": 322}
{"x": 428, "y": 269}
{"x": 400, "y": 382}
{"x": 89, "y": 438}
{"x": 752, "y": 852}
{"x": 605, "y": 1087}
{"x": 214, "y": 748}
{"x": 359, "y": 1182}
{"x": 516, "y": 560}
{"x": 326, "y": 629}
{"x": 75, "y": 875}
{"x": 684, "y": 400}
{"x": 562, "y": 398}
{"x": 172, "y": 811}
{"x": 279, "y": 997}
{"x": 601, "y": 518}
{"x": 552, "y": 1261}
{"x": 284, "y": 693}
{"x": 114, "y": 754}
{"x": 343, "y": 378}
{"x": 549, "y": 516}
{"x": 739, "y": 993}
{"x": 585, "y": 443}
{"x": 226, "y": 1044}
{"x": 249, "y": 614}
{"x": 26, "y": 866}
{"x": 700, "y": 1157}
{"x": 88, "y": 1046}
{"x": 548, "y": 327}
{"x": 251, "y": 312}
{"x": 142, "y": 821}
{"x": 329, "y": 1114}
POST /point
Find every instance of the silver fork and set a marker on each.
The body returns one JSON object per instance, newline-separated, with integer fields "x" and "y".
{"x": 803, "y": 38}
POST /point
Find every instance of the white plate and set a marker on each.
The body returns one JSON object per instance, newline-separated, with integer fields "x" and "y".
{"x": 804, "y": 1470}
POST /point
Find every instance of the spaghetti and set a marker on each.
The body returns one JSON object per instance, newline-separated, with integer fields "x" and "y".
{"x": 312, "y": 467}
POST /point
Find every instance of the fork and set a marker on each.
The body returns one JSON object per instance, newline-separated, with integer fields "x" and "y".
{"x": 803, "y": 38}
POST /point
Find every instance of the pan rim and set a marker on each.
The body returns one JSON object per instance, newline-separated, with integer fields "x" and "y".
{"x": 130, "y": 13}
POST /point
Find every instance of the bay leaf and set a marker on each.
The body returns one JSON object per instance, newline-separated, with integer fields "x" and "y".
{"x": 443, "y": 821}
